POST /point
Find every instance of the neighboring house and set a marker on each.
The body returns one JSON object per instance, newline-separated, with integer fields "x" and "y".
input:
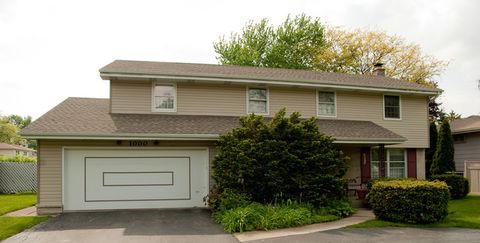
{"x": 151, "y": 144}
{"x": 14, "y": 150}
{"x": 466, "y": 137}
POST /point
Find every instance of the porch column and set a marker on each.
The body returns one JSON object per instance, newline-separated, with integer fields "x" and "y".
{"x": 381, "y": 162}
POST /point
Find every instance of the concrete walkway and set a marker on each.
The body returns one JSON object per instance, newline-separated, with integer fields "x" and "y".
{"x": 361, "y": 216}
{"x": 30, "y": 211}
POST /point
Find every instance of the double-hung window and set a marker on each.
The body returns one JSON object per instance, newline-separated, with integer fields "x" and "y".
{"x": 391, "y": 107}
{"x": 326, "y": 103}
{"x": 395, "y": 163}
{"x": 257, "y": 100}
{"x": 164, "y": 97}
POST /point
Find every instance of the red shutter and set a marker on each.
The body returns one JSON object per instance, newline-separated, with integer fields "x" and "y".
{"x": 365, "y": 164}
{"x": 412, "y": 162}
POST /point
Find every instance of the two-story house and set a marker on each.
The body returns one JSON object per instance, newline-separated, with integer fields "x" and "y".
{"x": 151, "y": 144}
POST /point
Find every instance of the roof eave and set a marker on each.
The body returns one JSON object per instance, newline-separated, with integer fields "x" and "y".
{"x": 200, "y": 137}
{"x": 466, "y": 131}
{"x": 112, "y": 75}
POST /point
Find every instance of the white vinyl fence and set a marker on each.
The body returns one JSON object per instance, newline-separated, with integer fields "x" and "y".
{"x": 18, "y": 177}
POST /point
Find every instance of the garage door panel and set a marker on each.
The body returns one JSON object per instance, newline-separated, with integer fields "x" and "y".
{"x": 137, "y": 178}
{"x": 110, "y": 179}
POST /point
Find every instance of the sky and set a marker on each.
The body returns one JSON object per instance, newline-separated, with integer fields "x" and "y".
{"x": 53, "y": 49}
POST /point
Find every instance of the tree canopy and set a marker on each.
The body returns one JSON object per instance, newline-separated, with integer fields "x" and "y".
{"x": 10, "y": 127}
{"x": 295, "y": 44}
{"x": 304, "y": 42}
{"x": 357, "y": 50}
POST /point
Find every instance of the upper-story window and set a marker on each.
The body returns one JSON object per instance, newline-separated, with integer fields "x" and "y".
{"x": 391, "y": 105}
{"x": 326, "y": 104}
{"x": 164, "y": 97}
{"x": 257, "y": 100}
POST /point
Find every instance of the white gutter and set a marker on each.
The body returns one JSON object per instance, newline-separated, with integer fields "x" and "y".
{"x": 108, "y": 76}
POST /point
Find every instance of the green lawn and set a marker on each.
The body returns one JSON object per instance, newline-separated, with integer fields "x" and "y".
{"x": 462, "y": 213}
{"x": 12, "y": 202}
{"x": 12, "y": 225}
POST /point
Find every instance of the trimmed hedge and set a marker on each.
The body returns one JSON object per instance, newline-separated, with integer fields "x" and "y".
{"x": 18, "y": 158}
{"x": 457, "y": 184}
{"x": 409, "y": 201}
{"x": 375, "y": 180}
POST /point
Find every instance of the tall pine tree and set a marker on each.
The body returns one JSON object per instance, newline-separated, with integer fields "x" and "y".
{"x": 433, "y": 147}
{"x": 443, "y": 158}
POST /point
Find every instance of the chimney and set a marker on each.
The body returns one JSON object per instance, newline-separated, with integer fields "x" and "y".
{"x": 378, "y": 69}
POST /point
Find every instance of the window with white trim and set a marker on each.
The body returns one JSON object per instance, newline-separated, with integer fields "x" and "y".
{"x": 395, "y": 163}
{"x": 258, "y": 100}
{"x": 326, "y": 103}
{"x": 391, "y": 105}
{"x": 164, "y": 97}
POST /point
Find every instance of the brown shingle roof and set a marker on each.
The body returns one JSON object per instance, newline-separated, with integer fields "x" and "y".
{"x": 6, "y": 146}
{"x": 465, "y": 125}
{"x": 91, "y": 117}
{"x": 193, "y": 71}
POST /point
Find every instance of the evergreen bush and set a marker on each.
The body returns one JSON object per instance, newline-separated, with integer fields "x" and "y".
{"x": 457, "y": 184}
{"x": 442, "y": 161}
{"x": 284, "y": 157}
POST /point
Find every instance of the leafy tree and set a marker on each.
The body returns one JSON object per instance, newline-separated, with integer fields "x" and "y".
{"x": 356, "y": 51}
{"x": 19, "y": 121}
{"x": 9, "y": 134}
{"x": 450, "y": 116}
{"x": 435, "y": 113}
{"x": 443, "y": 161}
{"x": 10, "y": 127}
{"x": 296, "y": 43}
{"x": 284, "y": 158}
{"x": 433, "y": 146}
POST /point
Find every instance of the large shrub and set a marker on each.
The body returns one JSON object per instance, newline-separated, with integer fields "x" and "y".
{"x": 457, "y": 184}
{"x": 286, "y": 158}
{"x": 409, "y": 201}
{"x": 443, "y": 161}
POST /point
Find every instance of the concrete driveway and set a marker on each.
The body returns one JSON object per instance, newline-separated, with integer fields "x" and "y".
{"x": 389, "y": 235}
{"x": 189, "y": 225}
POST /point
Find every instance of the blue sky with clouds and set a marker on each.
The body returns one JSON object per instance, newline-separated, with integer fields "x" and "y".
{"x": 52, "y": 49}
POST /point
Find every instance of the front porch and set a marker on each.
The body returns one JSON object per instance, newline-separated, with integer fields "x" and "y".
{"x": 377, "y": 161}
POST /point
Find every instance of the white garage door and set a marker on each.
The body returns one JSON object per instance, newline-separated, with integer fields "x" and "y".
{"x": 127, "y": 178}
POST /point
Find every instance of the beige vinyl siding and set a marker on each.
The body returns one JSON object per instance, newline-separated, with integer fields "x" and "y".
{"x": 421, "y": 164}
{"x": 413, "y": 124}
{"x": 293, "y": 99}
{"x": 50, "y": 166}
{"x": 215, "y": 99}
{"x": 467, "y": 150}
{"x": 354, "y": 170}
{"x": 131, "y": 97}
{"x": 209, "y": 99}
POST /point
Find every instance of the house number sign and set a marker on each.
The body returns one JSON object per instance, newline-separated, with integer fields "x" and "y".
{"x": 137, "y": 143}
